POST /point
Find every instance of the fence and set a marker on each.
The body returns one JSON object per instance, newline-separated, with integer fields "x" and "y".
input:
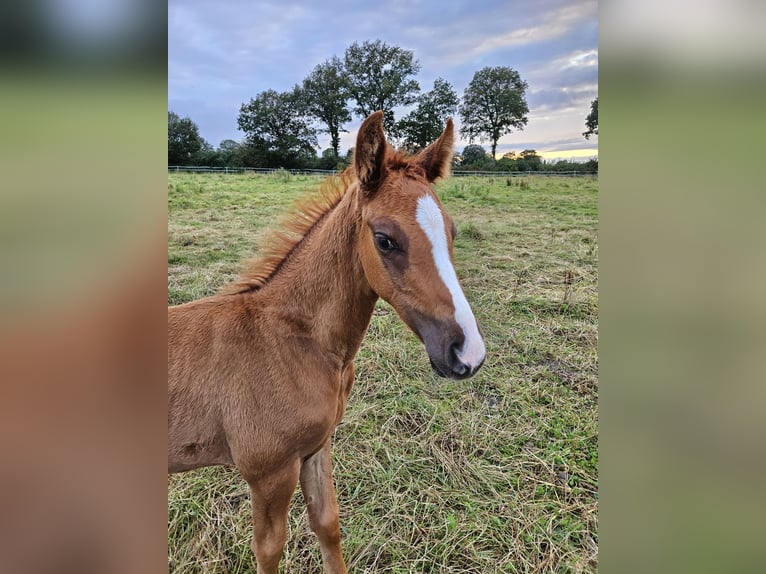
{"x": 466, "y": 173}
{"x": 205, "y": 169}
{"x": 326, "y": 172}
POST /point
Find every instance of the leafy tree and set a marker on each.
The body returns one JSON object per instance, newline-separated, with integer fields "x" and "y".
{"x": 591, "y": 122}
{"x": 425, "y": 123}
{"x": 208, "y": 157}
{"x": 328, "y": 160}
{"x": 228, "y": 145}
{"x": 533, "y": 161}
{"x": 228, "y": 153}
{"x": 349, "y": 157}
{"x": 381, "y": 77}
{"x": 184, "y": 141}
{"x": 507, "y": 163}
{"x": 494, "y": 103}
{"x": 474, "y": 155}
{"x": 277, "y": 130}
{"x": 326, "y": 93}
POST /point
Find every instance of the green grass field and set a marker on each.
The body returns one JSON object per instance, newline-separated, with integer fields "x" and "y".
{"x": 497, "y": 473}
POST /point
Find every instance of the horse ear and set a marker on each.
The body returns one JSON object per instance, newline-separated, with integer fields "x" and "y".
{"x": 370, "y": 151}
{"x": 436, "y": 159}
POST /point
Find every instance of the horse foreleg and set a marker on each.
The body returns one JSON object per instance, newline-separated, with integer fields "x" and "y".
{"x": 271, "y": 504}
{"x": 319, "y": 493}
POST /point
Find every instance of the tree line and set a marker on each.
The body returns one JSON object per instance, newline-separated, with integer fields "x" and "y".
{"x": 281, "y": 128}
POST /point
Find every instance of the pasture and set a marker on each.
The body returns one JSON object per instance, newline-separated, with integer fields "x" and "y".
{"x": 497, "y": 473}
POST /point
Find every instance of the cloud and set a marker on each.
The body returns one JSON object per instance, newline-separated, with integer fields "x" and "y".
{"x": 546, "y": 102}
{"x": 578, "y": 59}
{"x": 568, "y": 81}
{"x": 553, "y": 26}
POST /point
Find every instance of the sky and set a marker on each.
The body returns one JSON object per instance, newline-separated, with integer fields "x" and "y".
{"x": 223, "y": 53}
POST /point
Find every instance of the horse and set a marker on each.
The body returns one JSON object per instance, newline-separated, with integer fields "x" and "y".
{"x": 260, "y": 373}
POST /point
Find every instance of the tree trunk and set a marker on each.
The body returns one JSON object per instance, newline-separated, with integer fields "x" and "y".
{"x": 335, "y": 142}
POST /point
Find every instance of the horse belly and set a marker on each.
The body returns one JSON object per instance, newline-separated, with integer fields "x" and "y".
{"x": 196, "y": 453}
{"x": 195, "y": 437}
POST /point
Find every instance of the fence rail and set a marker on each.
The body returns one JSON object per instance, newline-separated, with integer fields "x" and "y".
{"x": 326, "y": 172}
{"x": 466, "y": 173}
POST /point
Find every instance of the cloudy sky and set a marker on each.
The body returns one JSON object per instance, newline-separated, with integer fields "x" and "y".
{"x": 223, "y": 53}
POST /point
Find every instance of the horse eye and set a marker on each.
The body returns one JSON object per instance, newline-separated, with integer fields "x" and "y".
{"x": 385, "y": 244}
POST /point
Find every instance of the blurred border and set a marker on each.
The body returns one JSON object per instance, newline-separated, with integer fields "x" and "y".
{"x": 83, "y": 253}
{"x": 83, "y": 295}
{"x": 681, "y": 286}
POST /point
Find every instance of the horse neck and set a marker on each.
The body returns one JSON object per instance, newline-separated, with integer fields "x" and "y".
{"x": 322, "y": 290}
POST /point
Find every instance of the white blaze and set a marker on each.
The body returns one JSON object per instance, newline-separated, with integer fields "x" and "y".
{"x": 429, "y": 216}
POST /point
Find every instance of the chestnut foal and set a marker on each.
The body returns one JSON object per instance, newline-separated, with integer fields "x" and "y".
{"x": 259, "y": 375}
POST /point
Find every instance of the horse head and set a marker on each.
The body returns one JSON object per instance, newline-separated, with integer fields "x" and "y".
{"x": 406, "y": 245}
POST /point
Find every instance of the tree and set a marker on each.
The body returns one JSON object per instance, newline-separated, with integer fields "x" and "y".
{"x": 381, "y": 77}
{"x": 228, "y": 145}
{"x": 533, "y": 161}
{"x": 326, "y": 94}
{"x": 494, "y": 103}
{"x": 425, "y": 123}
{"x": 207, "y": 156}
{"x": 184, "y": 141}
{"x": 330, "y": 160}
{"x": 277, "y": 131}
{"x": 474, "y": 155}
{"x": 349, "y": 157}
{"x": 507, "y": 163}
{"x": 228, "y": 151}
{"x": 591, "y": 122}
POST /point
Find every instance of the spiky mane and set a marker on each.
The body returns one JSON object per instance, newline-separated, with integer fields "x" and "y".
{"x": 294, "y": 226}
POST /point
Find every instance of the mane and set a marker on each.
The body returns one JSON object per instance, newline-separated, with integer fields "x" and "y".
{"x": 305, "y": 213}
{"x": 401, "y": 161}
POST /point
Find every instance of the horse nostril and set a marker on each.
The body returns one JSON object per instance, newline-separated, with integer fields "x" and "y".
{"x": 454, "y": 349}
{"x": 458, "y": 367}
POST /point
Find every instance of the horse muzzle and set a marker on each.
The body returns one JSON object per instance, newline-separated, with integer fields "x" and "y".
{"x": 450, "y": 355}
{"x": 455, "y": 370}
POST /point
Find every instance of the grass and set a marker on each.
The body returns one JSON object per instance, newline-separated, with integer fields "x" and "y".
{"x": 494, "y": 474}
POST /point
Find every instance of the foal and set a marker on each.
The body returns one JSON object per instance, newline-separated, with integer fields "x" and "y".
{"x": 259, "y": 375}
